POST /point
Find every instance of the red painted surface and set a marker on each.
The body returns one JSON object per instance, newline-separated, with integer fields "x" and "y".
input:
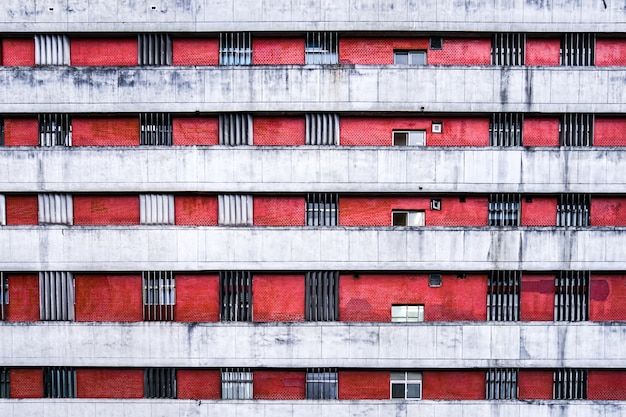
{"x": 544, "y": 52}
{"x": 369, "y": 297}
{"x": 199, "y": 384}
{"x": 453, "y": 385}
{"x": 367, "y": 131}
{"x": 23, "y": 297}
{"x": 105, "y": 131}
{"x": 108, "y": 298}
{"x": 106, "y": 210}
{"x": 198, "y": 298}
{"x": 363, "y": 385}
{"x": 610, "y": 52}
{"x": 279, "y": 131}
{"x": 376, "y": 211}
{"x": 194, "y": 51}
{"x": 279, "y": 385}
{"x": 22, "y": 210}
{"x": 26, "y": 383}
{"x": 609, "y": 131}
{"x": 195, "y": 210}
{"x": 278, "y": 211}
{"x": 541, "y": 211}
{"x": 607, "y": 211}
{"x": 535, "y": 384}
{"x": 18, "y": 52}
{"x": 102, "y": 51}
{"x": 537, "y": 298}
{"x": 607, "y": 297}
{"x": 277, "y": 51}
{"x": 21, "y": 132}
{"x": 541, "y": 131}
{"x": 109, "y": 383}
{"x": 195, "y": 130}
{"x": 606, "y": 385}
{"x": 278, "y": 298}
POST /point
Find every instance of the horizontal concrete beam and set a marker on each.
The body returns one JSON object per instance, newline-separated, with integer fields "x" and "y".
{"x": 310, "y": 168}
{"x": 313, "y": 88}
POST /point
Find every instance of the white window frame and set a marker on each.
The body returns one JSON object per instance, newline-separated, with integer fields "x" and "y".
{"x": 415, "y": 57}
{"x": 411, "y": 137}
{"x": 407, "y": 379}
{"x": 407, "y": 313}
{"x": 415, "y": 218}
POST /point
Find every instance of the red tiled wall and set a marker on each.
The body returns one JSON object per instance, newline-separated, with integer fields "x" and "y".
{"x": 278, "y": 298}
{"x": 21, "y": 132}
{"x": 541, "y": 211}
{"x": 22, "y": 210}
{"x": 190, "y": 51}
{"x": 195, "y": 130}
{"x": 23, "y": 297}
{"x": 106, "y": 210}
{"x": 196, "y": 210}
{"x": 105, "y": 131}
{"x": 606, "y": 385}
{"x": 543, "y": 52}
{"x": 537, "y": 298}
{"x": 609, "y": 131}
{"x": 102, "y": 52}
{"x": 279, "y": 385}
{"x": 198, "y": 298}
{"x": 610, "y": 52}
{"x": 607, "y": 297}
{"x": 607, "y": 211}
{"x": 535, "y": 384}
{"x": 278, "y": 211}
{"x": 363, "y": 385}
{"x": 109, "y": 383}
{"x": 279, "y": 131}
{"x": 18, "y": 52}
{"x": 541, "y": 131}
{"x": 462, "y": 51}
{"x": 108, "y": 298}
{"x": 277, "y": 51}
{"x": 453, "y": 385}
{"x": 199, "y": 384}
{"x": 26, "y": 383}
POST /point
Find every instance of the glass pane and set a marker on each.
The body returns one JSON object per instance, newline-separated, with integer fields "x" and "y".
{"x": 414, "y": 376}
{"x": 397, "y": 376}
{"x": 397, "y": 390}
{"x": 400, "y": 138}
{"x": 417, "y": 58}
{"x": 398, "y": 311}
{"x": 413, "y": 311}
{"x": 401, "y": 58}
{"x": 417, "y": 218}
{"x": 400, "y": 219}
{"x": 413, "y": 391}
{"x": 417, "y": 138}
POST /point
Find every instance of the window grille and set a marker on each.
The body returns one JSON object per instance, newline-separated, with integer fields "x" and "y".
{"x": 4, "y": 295}
{"x": 571, "y": 296}
{"x": 406, "y": 385}
{"x": 573, "y": 210}
{"x": 154, "y": 49}
{"x": 236, "y": 48}
{"x": 505, "y": 129}
{"x": 159, "y": 383}
{"x": 410, "y": 57}
{"x": 504, "y": 210}
{"x": 322, "y": 209}
{"x": 321, "y": 48}
{"x": 321, "y": 296}
{"x": 159, "y": 295}
{"x": 236, "y": 296}
{"x": 576, "y": 129}
{"x": 3, "y": 210}
{"x": 52, "y": 50}
{"x": 5, "y": 387}
{"x": 56, "y": 296}
{"x": 408, "y": 217}
{"x": 55, "y": 129}
{"x": 501, "y": 384}
{"x": 235, "y": 210}
{"x": 235, "y": 129}
{"x": 407, "y": 313}
{"x": 570, "y": 384}
{"x": 156, "y": 209}
{"x": 321, "y": 384}
{"x": 578, "y": 49}
{"x": 236, "y": 384}
{"x": 59, "y": 382}
{"x": 503, "y": 297}
{"x": 55, "y": 209}
{"x": 322, "y": 129}
{"x": 155, "y": 129}
{"x": 508, "y": 49}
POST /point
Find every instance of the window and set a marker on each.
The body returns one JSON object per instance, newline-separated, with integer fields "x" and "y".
{"x": 5, "y": 391}
{"x": 436, "y": 42}
{"x": 434, "y": 280}
{"x": 321, "y": 296}
{"x": 406, "y": 385}
{"x": 573, "y": 210}
{"x": 321, "y": 209}
{"x": 55, "y": 209}
{"x": 504, "y": 210}
{"x": 55, "y": 129}
{"x": 409, "y": 57}
{"x": 501, "y": 384}
{"x": 322, "y": 129}
{"x": 236, "y": 384}
{"x": 578, "y": 49}
{"x": 408, "y": 217}
{"x": 570, "y": 384}
{"x": 52, "y": 50}
{"x": 156, "y": 209}
{"x": 409, "y": 137}
{"x": 154, "y": 49}
{"x": 503, "y": 295}
{"x": 236, "y": 48}
{"x": 505, "y": 129}
{"x": 1, "y": 131}
{"x": 508, "y": 49}
{"x": 236, "y": 296}
{"x": 155, "y": 129}
{"x": 321, "y": 48}
{"x": 407, "y": 313}
{"x": 3, "y": 211}
{"x": 576, "y": 129}
{"x": 235, "y": 129}
{"x": 59, "y": 382}
{"x": 235, "y": 210}
{"x": 159, "y": 295}
{"x": 321, "y": 384}
{"x": 159, "y": 383}
{"x": 56, "y": 292}
{"x": 4, "y": 295}
{"x": 571, "y": 296}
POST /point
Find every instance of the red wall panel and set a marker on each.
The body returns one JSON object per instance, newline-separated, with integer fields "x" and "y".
{"x": 376, "y": 211}
{"x": 18, "y": 52}
{"x": 108, "y": 298}
{"x": 607, "y": 297}
{"x": 278, "y": 51}
{"x": 21, "y": 132}
{"x": 363, "y": 385}
{"x": 453, "y": 385}
{"x": 26, "y": 383}
{"x": 279, "y": 385}
{"x": 462, "y": 51}
{"x": 609, "y": 131}
{"x": 199, "y": 384}
{"x": 106, "y": 210}
{"x": 103, "y": 51}
{"x": 541, "y": 211}
{"x": 369, "y": 297}
{"x": 607, "y": 211}
{"x": 610, "y": 52}
{"x": 537, "y": 298}
{"x": 541, "y": 131}
{"x": 23, "y": 297}
{"x": 278, "y": 211}
{"x": 109, "y": 383}
{"x": 109, "y": 131}
{"x": 606, "y": 385}
{"x": 544, "y": 52}
{"x": 22, "y": 209}
{"x": 190, "y": 51}
{"x": 197, "y": 298}
{"x": 278, "y": 298}
{"x": 195, "y": 130}
{"x": 535, "y": 384}
{"x": 196, "y": 210}
{"x": 279, "y": 131}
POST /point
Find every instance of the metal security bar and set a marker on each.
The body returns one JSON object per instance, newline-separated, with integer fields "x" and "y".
{"x": 52, "y": 50}
{"x": 501, "y": 384}
{"x": 236, "y": 384}
{"x": 322, "y": 209}
{"x": 573, "y": 210}
{"x": 504, "y": 210}
{"x": 508, "y": 49}
{"x": 55, "y": 129}
{"x": 235, "y": 129}
{"x": 235, "y": 296}
{"x": 322, "y": 129}
{"x": 576, "y": 129}
{"x": 56, "y": 296}
{"x": 503, "y": 296}
{"x": 159, "y": 383}
{"x": 236, "y": 48}
{"x": 5, "y": 387}
{"x": 155, "y": 129}
{"x": 571, "y": 296}
{"x": 321, "y": 384}
{"x": 578, "y": 49}
{"x": 235, "y": 210}
{"x": 4, "y": 295}
{"x": 59, "y": 382}
{"x": 55, "y": 209}
{"x": 570, "y": 384}
{"x": 321, "y": 296}
{"x": 1, "y": 131}
{"x": 321, "y": 48}
{"x": 156, "y": 209}
{"x": 505, "y": 129}
{"x": 159, "y": 295}
{"x": 154, "y": 49}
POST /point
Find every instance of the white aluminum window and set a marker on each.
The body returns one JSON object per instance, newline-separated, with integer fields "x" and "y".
{"x": 56, "y": 296}
{"x": 156, "y": 209}
{"x": 408, "y": 218}
{"x": 55, "y": 209}
{"x": 3, "y": 211}
{"x": 321, "y": 384}
{"x": 236, "y": 384}
{"x": 407, "y": 313}
{"x": 409, "y": 57}
{"x": 52, "y": 50}
{"x": 236, "y": 48}
{"x": 409, "y": 137}
{"x": 159, "y": 295}
{"x": 406, "y": 385}
{"x": 235, "y": 209}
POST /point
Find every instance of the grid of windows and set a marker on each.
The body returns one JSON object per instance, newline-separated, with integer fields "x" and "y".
{"x": 504, "y": 210}
{"x": 5, "y": 387}
{"x": 159, "y": 295}
{"x": 501, "y": 384}
{"x": 409, "y": 137}
{"x": 576, "y": 129}
{"x": 321, "y": 209}
{"x": 408, "y": 218}
{"x": 155, "y": 129}
{"x": 55, "y": 209}
{"x": 52, "y": 49}
{"x": 406, "y": 385}
{"x": 570, "y": 384}
{"x": 571, "y": 296}
{"x": 154, "y": 49}
{"x": 508, "y": 49}
{"x": 55, "y": 129}
{"x": 578, "y": 49}
{"x": 505, "y": 129}
{"x": 59, "y": 382}
{"x": 236, "y": 296}
{"x": 159, "y": 383}
{"x": 235, "y": 129}
{"x": 236, "y": 384}
{"x": 573, "y": 210}
{"x": 321, "y": 384}
{"x": 322, "y": 129}
{"x": 409, "y": 57}
{"x": 321, "y": 296}
{"x": 4, "y": 295}
{"x": 56, "y": 296}
{"x": 407, "y": 313}
{"x": 236, "y": 48}
{"x": 321, "y": 48}
{"x": 503, "y": 297}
